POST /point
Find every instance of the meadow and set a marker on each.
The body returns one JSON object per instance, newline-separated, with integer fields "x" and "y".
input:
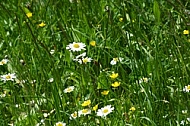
{"x": 94, "y": 63}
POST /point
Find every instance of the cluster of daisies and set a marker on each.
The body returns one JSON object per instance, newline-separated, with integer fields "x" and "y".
{"x": 77, "y": 47}
{"x": 9, "y": 76}
{"x": 103, "y": 112}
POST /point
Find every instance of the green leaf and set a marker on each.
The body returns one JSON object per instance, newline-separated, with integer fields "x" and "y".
{"x": 156, "y": 11}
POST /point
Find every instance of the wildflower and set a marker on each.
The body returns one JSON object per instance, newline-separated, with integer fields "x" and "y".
{"x": 69, "y": 89}
{"x": 52, "y": 52}
{"x": 185, "y": 122}
{"x": 104, "y": 92}
{"x": 86, "y": 60}
{"x": 42, "y": 24}
{"x": 186, "y": 32}
{"x": 11, "y": 124}
{"x": 4, "y": 61}
{"x": 82, "y": 59}
{"x": 60, "y": 124}
{"x": 46, "y": 115}
{"x": 22, "y": 62}
{"x": 3, "y": 95}
{"x": 115, "y": 60}
{"x": 84, "y": 112}
{"x": 51, "y": 80}
{"x": 187, "y": 88}
{"x": 95, "y": 107}
{"x": 184, "y": 111}
{"x": 74, "y": 115}
{"x": 114, "y": 75}
{"x": 143, "y": 80}
{"x": 120, "y": 19}
{"x": 76, "y": 46}
{"x": 115, "y": 84}
{"x": 8, "y": 77}
{"x": 86, "y": 103}
{"x": 93, "y": 43}
{"x": 132, "y": 109}
{"x": 103, "y": 112}
{"x": 42, "y": 121}
{"x": 29, "y": 14}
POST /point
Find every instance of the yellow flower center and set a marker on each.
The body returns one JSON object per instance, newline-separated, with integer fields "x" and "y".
{"x": 69, "y": 89}
{"x": 76, "y": 45}
{"x": 3, "y": 62}
{"x": 74, "y": 114}
{"x": 105, "y": 111}
{"x": 120, "y": 19}
{"x": 85, "y": 60}
{"x": 59, "y": 124}
{"x": 188, "y": 87}
{"x": 8, "y": 77}
{"x": 115, "y": 59}
{"x": 84, "y": 110}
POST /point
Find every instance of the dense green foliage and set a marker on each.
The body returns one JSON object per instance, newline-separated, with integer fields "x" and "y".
{"x": 146, "y": 38}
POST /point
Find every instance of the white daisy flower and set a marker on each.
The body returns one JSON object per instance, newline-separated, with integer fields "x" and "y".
{"x": 60, "y": 124}
{"x": 187, "y": 88}
{"x": 51, "y": 80}
{"x": 103, "y": 112}
{"x": 8, "y": 77}
{"x": 69, "y": 89}
{"x": 143, "y": 80}
{"x": 86, "y": 60}
{"x": 74, "y": 115}
{"x": 82, "y": 59}
{"x": 115, "y": 60}
{"x": 52, "y": 51}
{"x": 3, "y": 61}
{"x": 76, "y": 46}
{"x": 84, "y": 112}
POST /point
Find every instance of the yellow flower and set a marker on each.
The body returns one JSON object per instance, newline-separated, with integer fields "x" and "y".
{"x": 186, "y": 32}
{"x": 29, "y": 14}
{"x": 93, "y": 43}
{"x": 104, "y": 92}
{"x": 114, "y": 75}
{"x": 86, "y": 103}
{"x": 42, "y": 24}
{"x": 132, "y": 109}
{"x": 116, "y": 84}
{"x": 120, "y": 19}
{"x": 95, "y": 107}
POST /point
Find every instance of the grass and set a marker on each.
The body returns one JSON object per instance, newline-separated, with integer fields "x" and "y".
{"x": 147, "y": 35}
